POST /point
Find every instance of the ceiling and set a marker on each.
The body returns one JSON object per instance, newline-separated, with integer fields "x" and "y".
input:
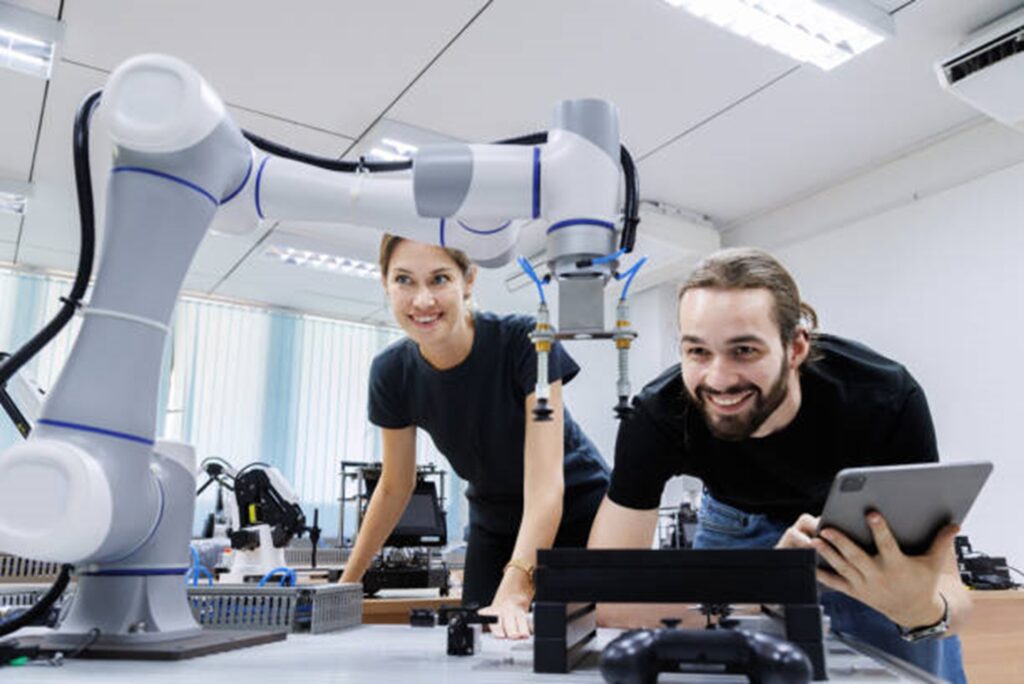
{"x": 721, "y": 127}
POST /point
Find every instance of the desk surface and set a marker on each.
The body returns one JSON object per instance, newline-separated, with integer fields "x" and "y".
{"x": 389, "y": 653}
{"x": 993, "y": 637}
{"x": 394, "y": 610}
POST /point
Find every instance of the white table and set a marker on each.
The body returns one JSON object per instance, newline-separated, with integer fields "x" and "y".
{"x": 386, "y": 654}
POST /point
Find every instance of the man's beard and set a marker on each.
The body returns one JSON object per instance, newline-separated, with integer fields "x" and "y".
{"x": 740, "y": 426}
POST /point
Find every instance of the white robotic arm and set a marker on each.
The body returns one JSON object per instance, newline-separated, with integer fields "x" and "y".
{"x": 471, "y": 197}
{"x": 91, "y": 486}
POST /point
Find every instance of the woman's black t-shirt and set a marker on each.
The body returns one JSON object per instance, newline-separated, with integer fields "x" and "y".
{"x": 475, "y": 413}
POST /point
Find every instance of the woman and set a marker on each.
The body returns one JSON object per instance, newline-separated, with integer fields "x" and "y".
{"x": 467, "y": 378}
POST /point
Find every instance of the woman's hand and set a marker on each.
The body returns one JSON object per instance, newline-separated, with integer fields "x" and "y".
{"x": 543, "y": 489}
{"x": 511, "y": 606}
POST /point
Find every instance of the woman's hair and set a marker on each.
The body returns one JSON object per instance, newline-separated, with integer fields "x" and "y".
{"x": 389, "y": 242}
{"x": 747, "y": 268}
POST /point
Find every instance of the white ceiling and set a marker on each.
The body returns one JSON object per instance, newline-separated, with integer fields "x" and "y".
{"x": 718, "y": 125}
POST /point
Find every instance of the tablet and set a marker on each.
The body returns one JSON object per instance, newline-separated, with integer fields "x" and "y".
{"x": 916, "y": 500}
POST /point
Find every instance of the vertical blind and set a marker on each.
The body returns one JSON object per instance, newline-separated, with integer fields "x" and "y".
{"x": 246, "y": 384}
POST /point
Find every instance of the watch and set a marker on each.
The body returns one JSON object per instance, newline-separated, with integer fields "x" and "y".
{"x": 932, "y": 631}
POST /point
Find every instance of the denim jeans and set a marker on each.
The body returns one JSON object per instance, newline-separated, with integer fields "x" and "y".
{"x": 723, "y": 526}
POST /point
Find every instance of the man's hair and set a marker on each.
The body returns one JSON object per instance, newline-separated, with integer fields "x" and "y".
{"x": 747, "y": 268}
{"x": 390, "y": 242}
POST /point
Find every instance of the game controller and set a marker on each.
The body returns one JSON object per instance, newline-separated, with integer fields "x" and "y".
{"x": 638, "y": 656}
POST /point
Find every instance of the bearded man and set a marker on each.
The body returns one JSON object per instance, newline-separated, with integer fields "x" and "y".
{"x": 765, "y": 411}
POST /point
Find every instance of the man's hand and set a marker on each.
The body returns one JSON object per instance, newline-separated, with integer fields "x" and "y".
{"x": 799, "y": 536}
{"x": 904, "y": 588}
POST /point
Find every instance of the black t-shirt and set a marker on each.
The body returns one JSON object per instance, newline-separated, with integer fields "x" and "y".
{"x": 475, "y": 413}
{"x": 857, "y": 408}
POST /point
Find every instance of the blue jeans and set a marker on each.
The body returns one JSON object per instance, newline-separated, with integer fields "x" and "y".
{"x": 722, "y": 526}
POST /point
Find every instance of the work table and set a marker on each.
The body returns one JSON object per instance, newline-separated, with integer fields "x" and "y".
{"x": 381, "y": 654}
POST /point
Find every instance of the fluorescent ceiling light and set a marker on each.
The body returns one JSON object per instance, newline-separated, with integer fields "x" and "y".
{"x": 825, "y": 33}
{"x": 28, "y": 40}
{"x": 14, "y": 197}
{"x": 322, "y": 262}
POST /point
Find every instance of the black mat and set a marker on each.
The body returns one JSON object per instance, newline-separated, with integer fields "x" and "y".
{"x": 207, "y": 642}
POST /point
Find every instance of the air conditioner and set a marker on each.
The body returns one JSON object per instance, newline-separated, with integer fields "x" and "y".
{"x": 987, "y": 70}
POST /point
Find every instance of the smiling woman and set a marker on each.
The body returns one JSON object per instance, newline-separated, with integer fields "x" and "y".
{"x": 467, "y": 378}
{"x": 429, "y": 289}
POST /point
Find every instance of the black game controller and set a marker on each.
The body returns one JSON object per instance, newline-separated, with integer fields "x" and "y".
{"x": 638, "y": 656}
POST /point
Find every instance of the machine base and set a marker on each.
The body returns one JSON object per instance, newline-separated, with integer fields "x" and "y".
{"x": 207, "y": 642}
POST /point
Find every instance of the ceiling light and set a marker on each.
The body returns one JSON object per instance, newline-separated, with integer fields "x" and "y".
{"x": 825, "y": 33}
{"x": 14, "y": 197}
{"x": 28, "y": 40}
{"x": 322, "y": 262}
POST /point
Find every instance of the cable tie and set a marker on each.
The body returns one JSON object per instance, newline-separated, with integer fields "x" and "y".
{"x": 120, "y": 315}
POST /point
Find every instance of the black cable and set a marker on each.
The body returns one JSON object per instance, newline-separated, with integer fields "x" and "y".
{"x": 325, "y": 162}
{"x": 42, "y": 607}
{"x": 254, "y": 464}
{"x": 218, "y": 459}
{"x": 538, "y": 138}
{"x": 1015, "y": 570}
{"x": 83, "y": 186}
{"x": 11, "y": 409}
{"x": 91, "y": 638}
{"x": 14, "y": 413}
{"x": 631, "y": 210}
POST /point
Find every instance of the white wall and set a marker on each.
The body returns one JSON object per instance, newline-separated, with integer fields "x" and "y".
{"x": 927, "y": 269}
{"x": 592, "y": 395}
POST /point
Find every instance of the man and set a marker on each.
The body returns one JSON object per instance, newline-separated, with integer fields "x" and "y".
{"x": 766, "y": 413}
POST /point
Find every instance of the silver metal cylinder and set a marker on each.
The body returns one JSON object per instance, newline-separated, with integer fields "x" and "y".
{"x": 595, "y": 120}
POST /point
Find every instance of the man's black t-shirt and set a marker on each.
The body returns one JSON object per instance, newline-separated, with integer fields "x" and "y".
{"x": 475, "y": 413}
{"x": 857, "y": 408}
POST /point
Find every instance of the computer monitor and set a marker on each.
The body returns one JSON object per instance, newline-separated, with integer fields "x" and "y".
{"x": 422, "y": 523}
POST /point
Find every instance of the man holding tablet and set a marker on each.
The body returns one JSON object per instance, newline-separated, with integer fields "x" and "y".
{"x": 766, "y": 412}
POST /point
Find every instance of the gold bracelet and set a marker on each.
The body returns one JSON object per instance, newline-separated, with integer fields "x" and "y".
{"x": 521, "y": 566}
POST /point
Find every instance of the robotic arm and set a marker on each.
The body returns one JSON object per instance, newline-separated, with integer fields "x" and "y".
{"x": 91, "y": 485}
{"x": 264, "y": 497}
{"x": 262, "y": 516}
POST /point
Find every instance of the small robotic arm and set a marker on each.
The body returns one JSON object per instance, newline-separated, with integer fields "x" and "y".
{"x": 264, "y": 497}
{"x": 263, "y": 515}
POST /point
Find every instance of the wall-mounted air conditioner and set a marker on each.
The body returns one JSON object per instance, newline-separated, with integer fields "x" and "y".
{"x": 987, "y": 70}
